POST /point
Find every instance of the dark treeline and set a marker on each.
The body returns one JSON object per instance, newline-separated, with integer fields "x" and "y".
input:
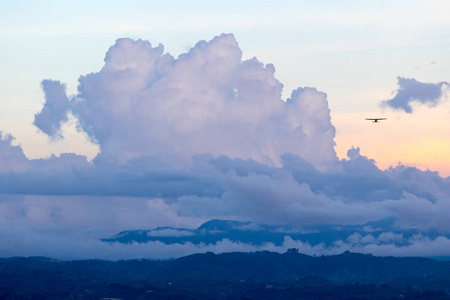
{"x": 258, "y": 275}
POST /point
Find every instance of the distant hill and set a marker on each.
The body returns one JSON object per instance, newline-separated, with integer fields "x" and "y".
{"x": 228, "y": 276}
{"x": 214, "y": 231}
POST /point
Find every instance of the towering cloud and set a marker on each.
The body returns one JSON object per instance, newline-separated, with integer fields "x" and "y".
{"x": 145, "y": 102}
{"x": 411, "y": 91}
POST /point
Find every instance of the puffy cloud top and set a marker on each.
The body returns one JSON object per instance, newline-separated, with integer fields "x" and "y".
{"x": 145, "y": 102}
{"x": 12, "y": 157}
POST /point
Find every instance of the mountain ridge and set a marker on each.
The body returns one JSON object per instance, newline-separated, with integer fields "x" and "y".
{"x": 252, "y": 233}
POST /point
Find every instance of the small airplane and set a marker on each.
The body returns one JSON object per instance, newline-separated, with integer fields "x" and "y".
{"x": 375, "y": 120}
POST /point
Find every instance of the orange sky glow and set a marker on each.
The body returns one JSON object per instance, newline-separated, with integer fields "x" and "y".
{"x": 419, "y": 139}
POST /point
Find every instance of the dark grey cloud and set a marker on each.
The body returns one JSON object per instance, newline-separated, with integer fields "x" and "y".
{"x": 55, "y": 109}
{"x": 412, "y": 91}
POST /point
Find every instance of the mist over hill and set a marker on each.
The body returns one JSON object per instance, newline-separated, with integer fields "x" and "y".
{"x": 331, "y": 238}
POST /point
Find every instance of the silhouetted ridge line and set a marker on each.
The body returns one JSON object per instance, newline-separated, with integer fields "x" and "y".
{"x": 255, "y": 275}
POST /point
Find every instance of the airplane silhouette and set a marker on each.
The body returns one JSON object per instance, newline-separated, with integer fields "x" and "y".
{"x": 375, "y": 120}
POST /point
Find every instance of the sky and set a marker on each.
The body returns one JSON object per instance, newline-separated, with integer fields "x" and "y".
{"x": 134, "y": 115}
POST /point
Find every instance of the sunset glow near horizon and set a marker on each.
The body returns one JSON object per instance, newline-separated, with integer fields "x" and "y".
{"x": 419, "y": 139}
{"x": 175, "y": 113}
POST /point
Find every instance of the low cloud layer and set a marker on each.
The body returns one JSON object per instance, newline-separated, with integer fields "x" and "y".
{"x": 202, "y": 136}
{"x": 411, "y": 91}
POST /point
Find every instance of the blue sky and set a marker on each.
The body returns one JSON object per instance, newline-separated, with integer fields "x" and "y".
{"x": 264, "y": 123}
{"x": 351, "y": 50}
